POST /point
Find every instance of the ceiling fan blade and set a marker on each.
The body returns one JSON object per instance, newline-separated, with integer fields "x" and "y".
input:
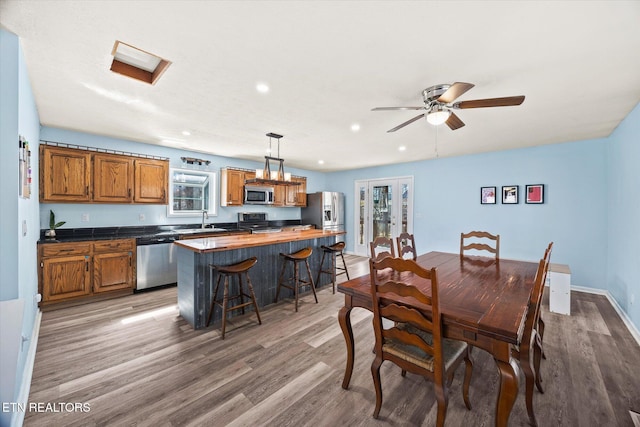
{"x": 454, "y": 121}
{"x": 456, "y": 89}
{"x": 490, "y": 102}
{"x": 408, "y": 122}
{"x": 397, "y": 108}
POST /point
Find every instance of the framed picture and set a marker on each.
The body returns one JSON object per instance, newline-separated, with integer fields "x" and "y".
{"x": 510, "y": 195}
{"x": 488, "y": 195}
{"x": 534, "y": 193}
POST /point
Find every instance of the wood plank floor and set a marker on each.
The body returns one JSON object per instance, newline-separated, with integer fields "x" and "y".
{"x": 157, "y": 371}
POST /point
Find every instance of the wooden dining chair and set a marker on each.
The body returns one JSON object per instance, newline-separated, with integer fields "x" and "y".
{"x": 382, "y": 247}
{"x": 480, "y": 245}
{"x": 539, "y": 324}
{"x": 406, "y": 245}
{"x": 414, "y": 341}
{"x": 525, "y": 352}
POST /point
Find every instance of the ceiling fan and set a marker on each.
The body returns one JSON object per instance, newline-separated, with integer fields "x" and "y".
{"x": 439, "y": 105}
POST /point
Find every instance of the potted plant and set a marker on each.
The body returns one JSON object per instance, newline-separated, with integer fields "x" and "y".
{"x": 51, "y": 232}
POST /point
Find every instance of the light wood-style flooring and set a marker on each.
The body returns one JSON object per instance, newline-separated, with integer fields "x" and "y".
{"x": 157, "y": 371}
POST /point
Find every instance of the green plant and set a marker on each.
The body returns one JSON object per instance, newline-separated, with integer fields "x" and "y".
{"x": 52, "y": 221}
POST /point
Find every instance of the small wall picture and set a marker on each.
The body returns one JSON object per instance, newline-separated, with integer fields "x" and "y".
{"x": 488, "y": 195}
{"x": 534, "y": 193}
{"x": 510, "y": 195}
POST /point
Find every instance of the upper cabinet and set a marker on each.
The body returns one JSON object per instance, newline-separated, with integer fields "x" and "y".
{"x": 81, "y": 176}
{"x": 65, "y": 175}
{"x": 151, "y": 181}
{"x": 232, "y": 181}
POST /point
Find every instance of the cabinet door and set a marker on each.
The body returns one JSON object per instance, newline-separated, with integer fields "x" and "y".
{"x": 112, "y": 271}
{"x": 279, "y": 195}
{"x": 231, "y": 187}
{"x": 65, "y": 277}
{"x": 112, "y": 178}
{"x": 301, "y": 191}
{"x": 65, "y": 175}
{"x": 151, "y": 181}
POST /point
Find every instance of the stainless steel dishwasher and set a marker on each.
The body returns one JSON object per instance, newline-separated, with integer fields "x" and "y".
{"x": 157, "y": 263}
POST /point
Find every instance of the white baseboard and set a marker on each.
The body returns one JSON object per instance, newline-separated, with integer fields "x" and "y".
{"x": 627, "y": 321}
{"x": 23, "y": 397}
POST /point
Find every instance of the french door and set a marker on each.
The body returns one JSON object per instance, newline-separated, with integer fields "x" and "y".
{"x": 384, "y": 207}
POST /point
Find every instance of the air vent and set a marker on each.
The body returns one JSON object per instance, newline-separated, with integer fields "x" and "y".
{"x": 136, "y": 63}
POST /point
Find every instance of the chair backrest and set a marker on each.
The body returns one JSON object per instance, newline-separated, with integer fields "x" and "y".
{"x": 543, "y": 279}
{"x": 406, "y": 245}
{"x": 480, "y": 246}
{"x": 382, "y": 247}
{"x": 404, "y": 280}
{"x": 534, "y": 304}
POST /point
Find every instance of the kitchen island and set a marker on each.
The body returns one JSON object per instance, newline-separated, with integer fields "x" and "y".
{"x": 195, "y": 256}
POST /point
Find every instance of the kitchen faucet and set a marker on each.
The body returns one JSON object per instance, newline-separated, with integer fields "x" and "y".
{"x": 204, "y": 215}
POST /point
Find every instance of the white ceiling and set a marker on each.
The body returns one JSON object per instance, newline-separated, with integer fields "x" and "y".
{"x": 327, "y": 64}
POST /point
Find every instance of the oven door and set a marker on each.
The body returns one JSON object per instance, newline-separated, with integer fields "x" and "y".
{"x": 258, "y": 195}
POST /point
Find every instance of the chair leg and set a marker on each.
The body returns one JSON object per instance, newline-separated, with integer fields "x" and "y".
{"x": 344, "y": 264}
{"x": 253, "y": 298}
{"x": 537, "y": 354}
{"x": 241, "y": 292}
{"x": 296, "y": 282}
{"x": 313, "y": 287}
{"x": 442, "y": 396}
{"x": 333, "y": 271}
{"x": 527, "y": 368}
{"x": 375, "y": 372}
{"x": 541, "y": 332}
{"x": 213, "y": 300}
{"x": 225, "y": 301}
{"x": 468, "y": 370}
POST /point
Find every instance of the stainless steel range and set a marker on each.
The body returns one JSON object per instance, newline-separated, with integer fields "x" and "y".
{"x": 256, "y": 222}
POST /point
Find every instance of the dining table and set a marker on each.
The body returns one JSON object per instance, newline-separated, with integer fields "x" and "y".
{"x": 483, "y": 301}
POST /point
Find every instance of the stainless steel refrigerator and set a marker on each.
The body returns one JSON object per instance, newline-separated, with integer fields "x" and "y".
{"x": 325, "y": 210}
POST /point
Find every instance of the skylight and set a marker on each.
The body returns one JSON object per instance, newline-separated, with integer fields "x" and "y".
{"x": 136, "y": 63}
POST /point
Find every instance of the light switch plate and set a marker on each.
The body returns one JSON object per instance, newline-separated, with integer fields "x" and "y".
{"x": 24, "y": 227}
{"x": 85, "y": 217}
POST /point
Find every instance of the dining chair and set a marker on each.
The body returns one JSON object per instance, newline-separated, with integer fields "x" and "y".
{"x": 525, "y": 351}
{"x": 478, "y": 244}
{"x": 406, "y": 245}
{"x": 539, "y": 325}
{"x": 382, "y": 247}
{"x": 414, "y": 341}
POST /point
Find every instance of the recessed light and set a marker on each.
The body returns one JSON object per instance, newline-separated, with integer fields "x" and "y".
{"x": 402, "y": 148}
{"x": 355, "y": 127}
{"x": 262, "y": 87}
{"x": 136, "y": 63}
{"x": 321, "y": 162}
{"x": 186, "y": 133}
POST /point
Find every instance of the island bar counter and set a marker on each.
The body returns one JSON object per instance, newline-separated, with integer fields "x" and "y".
{"x": 195, "y": 256}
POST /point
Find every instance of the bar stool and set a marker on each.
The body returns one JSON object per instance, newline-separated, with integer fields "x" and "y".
{"x": 296, "y": 282}
{"x": 333, "y": 251}
{"x": 238, "y": 270}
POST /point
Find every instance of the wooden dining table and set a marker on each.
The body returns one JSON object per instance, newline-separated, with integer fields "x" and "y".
{"x": 483, "y": 301}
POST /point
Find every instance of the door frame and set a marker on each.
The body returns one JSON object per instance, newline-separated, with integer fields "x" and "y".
{"x": 361, "y": 246}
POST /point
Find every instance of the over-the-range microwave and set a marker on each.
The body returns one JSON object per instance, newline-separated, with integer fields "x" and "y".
{"x": 257, "y": 195}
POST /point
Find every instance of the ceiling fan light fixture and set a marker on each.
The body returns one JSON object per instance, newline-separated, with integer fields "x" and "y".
{"x": 438, "y": 115}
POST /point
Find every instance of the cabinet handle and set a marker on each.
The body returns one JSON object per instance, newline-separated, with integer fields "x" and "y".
{"x": 66, "y": 250}
{"x": 129, "y": 192}
{"x": 86, "y": 190}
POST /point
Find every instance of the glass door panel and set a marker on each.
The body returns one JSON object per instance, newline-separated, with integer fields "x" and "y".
{"x": 383, "y": 216}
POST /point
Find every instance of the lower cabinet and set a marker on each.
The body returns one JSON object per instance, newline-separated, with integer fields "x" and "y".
{"x": 81, "y": 270}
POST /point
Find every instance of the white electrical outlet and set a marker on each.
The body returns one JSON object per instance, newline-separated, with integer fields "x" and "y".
{"x": 85, "y": 217}
{"x": 141, "y": 217}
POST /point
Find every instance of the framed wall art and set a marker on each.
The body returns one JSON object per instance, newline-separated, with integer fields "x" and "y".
{"x": 534, "y": 193}
{"x": 510, "y": 195}
{"x": 488, "y": 195}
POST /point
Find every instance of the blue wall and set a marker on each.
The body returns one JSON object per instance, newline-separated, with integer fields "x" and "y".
{"x": 19, "y": 222}
{"x": 447, "y": 202}
{"x": 128, "y": 215}
{"x": 623, "y": 267}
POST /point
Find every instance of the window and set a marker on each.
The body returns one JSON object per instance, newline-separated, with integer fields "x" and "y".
{"x": 192, "y": 192}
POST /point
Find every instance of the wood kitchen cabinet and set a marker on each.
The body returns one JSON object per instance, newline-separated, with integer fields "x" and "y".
{"x": 297, "y": 194}
{"x": 151, "y": 181}
{"x": 232, "y": 185}
{"x": 85, "y": 176}
{"x": 113, "y": 267}
{"x": 65, "y": 174}
{"x": 81, "y": 271}
{"x": 112, "y": 178}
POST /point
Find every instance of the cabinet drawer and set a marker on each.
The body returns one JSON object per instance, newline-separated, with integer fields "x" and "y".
{"x": 114, "y": 245}
{"x": 61, "y": 249}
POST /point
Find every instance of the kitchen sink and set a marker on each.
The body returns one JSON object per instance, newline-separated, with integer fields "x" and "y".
{"x": 199, "y": 230}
